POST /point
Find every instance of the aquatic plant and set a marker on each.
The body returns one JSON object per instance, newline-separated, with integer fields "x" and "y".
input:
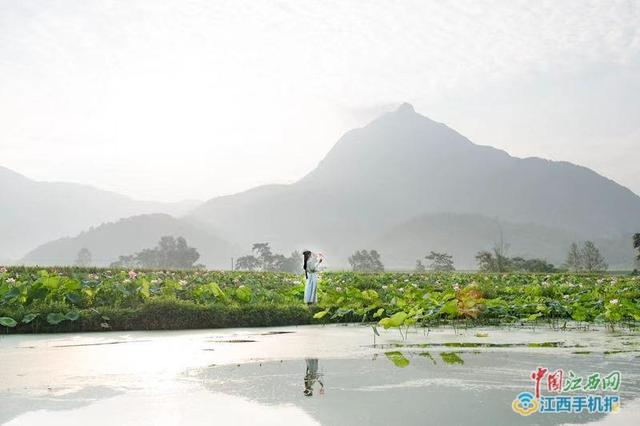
{"x": 53, "y": 299}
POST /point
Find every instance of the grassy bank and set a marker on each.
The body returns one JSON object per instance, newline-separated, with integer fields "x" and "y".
{"x": 160, "y": 314}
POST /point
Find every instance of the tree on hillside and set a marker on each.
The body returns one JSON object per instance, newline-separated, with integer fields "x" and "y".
{"x": 264, "y": 259}
{"x": 574, "y": 258}
{"x": 173, "y": 253}
{"x": 419, "y": 266}
{"x": 366, "y": 261}
{"x": 440, "y": 262}
{"x": 247, "y": 263}
{"x": 592, "y": 259}
{"x": 520, "y": 264}
{"x": 495, "y": 260}
{"x": 84, "y": 257}
{"x": 588, "y": 258}
{"x": 292, "y": 264}
{"x": 264, "y": 255}
{"x": 487, "y": 262}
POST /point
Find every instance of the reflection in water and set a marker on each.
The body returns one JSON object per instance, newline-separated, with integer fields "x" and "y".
{"x": 448, "y": 388}
{"x": 312, "y": 376}
{"x": 432, "y": 381}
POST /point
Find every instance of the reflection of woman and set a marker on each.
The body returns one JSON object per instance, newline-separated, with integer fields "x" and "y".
{"x": 312, "y": 376}
{"x": 311, "y": 267}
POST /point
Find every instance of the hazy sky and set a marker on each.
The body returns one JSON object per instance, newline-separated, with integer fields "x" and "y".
{"x": 175, "y": 99}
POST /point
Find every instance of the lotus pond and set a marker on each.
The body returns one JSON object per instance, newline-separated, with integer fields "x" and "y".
{"x": 73, "y": 299}
{"x": 319, "y": 374}
{"x": 417, "y": 348}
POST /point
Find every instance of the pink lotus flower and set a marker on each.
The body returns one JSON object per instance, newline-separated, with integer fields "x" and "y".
{"x": 132, "y": 275}
{"x": 3, "y": 270}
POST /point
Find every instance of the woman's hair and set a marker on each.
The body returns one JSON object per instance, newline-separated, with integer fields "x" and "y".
{"x": 306, "y": 255}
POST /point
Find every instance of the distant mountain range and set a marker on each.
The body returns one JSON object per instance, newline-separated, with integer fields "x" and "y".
{"x": 463, "y": 235}
{"x": 32, "y": 212}
{"x": 404, "y": 184}
{"x": 404, "y": 165}
{"x": 128, "y": 236}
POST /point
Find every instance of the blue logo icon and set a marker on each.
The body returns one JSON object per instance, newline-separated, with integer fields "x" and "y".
{"x": 525, "y": 404}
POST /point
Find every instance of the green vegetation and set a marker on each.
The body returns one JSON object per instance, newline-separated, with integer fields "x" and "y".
{"x": 366, "y": 261}
{"x": 440, "y": 262}
{"x": 173, "y": 253}
{"x": 264, "y": 260}
{"x": 84, "y": 299}
{"x": 497, "y": 261}
{"x": 451, "y": 358}
{"x": 585, "y": 259}
{"x": 398, "y": 359}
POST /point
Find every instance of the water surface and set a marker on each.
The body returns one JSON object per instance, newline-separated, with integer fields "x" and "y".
{"x": 302, "y": 375}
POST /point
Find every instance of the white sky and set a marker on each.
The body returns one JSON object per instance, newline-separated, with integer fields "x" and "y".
{"x": 175, "y": 99}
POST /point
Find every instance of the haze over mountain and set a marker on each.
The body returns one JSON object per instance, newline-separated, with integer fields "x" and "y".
{"x": 463, "y": 235}
{"x": 405, "y": 184}
{"x": 403, "y": 165}
{"x": 32, "y": 212}
{"x": 128, "y": 236}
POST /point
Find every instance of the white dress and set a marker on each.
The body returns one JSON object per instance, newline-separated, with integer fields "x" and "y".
{"x": 311, "y": 288}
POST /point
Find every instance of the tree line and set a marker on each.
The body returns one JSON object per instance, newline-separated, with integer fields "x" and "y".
{"x": 169, "y": 253}
{"x": 263, "y": 259}
{"x": 175, "y": 253}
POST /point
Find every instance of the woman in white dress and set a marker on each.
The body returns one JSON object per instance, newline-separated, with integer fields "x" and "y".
{"x": 311, "y": 268}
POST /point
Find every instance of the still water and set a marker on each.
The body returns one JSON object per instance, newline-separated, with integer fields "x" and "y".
{"x": 332, "y": 375}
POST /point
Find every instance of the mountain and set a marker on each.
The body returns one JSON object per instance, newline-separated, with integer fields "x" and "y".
{"x": 127, "y": 236}
{"x": 404, "y": 165}
{"x": 403, "y": 184}
{"x": 464, "y": 235}
{"x": 33, "y": 212}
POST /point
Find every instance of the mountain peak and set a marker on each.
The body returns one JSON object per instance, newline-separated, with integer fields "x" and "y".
{"x": 406, "y": 108}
